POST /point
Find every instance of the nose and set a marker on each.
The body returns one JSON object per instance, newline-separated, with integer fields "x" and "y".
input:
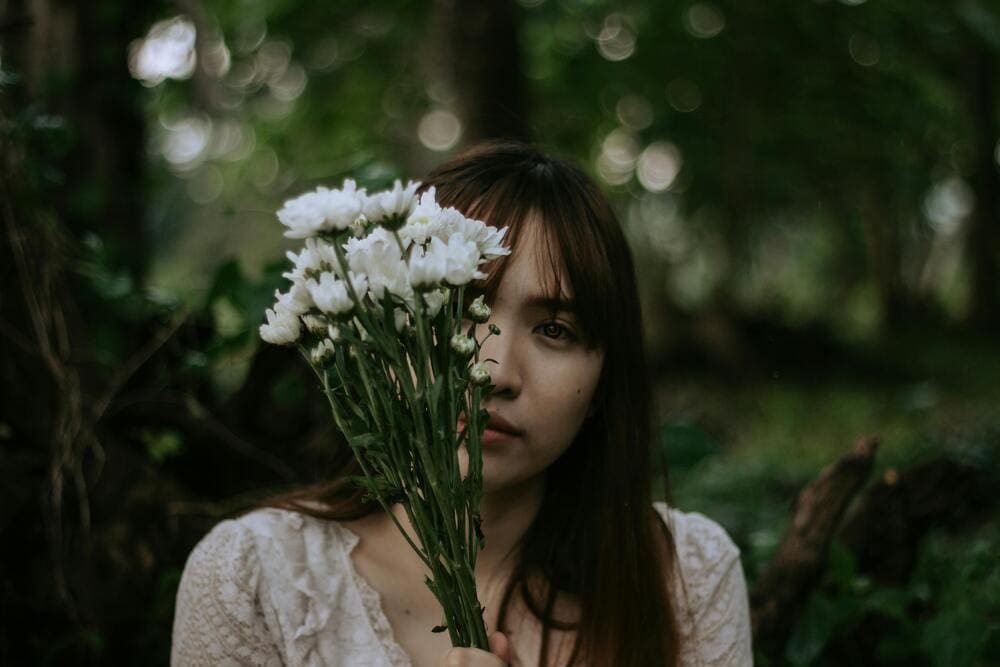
{"x": 506, "y": 373}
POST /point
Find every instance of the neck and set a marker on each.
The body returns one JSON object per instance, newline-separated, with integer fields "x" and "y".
{"x": 506, "y": 516}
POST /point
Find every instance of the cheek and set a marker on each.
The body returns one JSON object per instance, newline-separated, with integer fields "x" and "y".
{"x": 565, "y": 397}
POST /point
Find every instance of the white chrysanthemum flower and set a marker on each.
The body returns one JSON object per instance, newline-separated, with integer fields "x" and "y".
{"x": 323, "y": 352}
{"x": 429, "y": 220}
{"x": 322, "y": 210}
{"x": 333, "y": 331}
{"x": 434, "y": 300}
{"x": 462, "y": 258}
{"x": 487, "y": 239}
{"x": 392, "y": 205}
{"x": 378, "y": 247}
{"x": 378, "y": 256}
{"x": 427, "y": 266}
{"x": 424, "y": 219}
{"x": 282, "y": 328}
{"x": 295, "y": 301}
{"x": 331, "y": 294}
{"x": 316, "y": 256}
{"x": 426, "y": 208}
{"x": 392, "y": 277}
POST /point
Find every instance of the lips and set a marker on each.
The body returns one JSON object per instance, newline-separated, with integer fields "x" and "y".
{"x": 495, "y": 423}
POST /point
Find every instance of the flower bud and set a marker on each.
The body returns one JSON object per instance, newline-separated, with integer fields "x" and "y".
{"x": 479, "y": 373}
{"x": 314, "y": 324}
{"x": 463, "y": 345}
{"x": 322, "y": 353}
{"x": 359, "y": 228}
{"x": 495, "y": 330}
{"x": 399, "y": 319}
{"x": 479, "y": 312}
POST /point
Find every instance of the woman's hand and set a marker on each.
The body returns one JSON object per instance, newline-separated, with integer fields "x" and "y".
{"x": 499, "y": 655}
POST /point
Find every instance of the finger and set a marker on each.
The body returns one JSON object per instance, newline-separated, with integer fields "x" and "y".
{"x": 469, "y": 657}
{"x": 500, "y": 646}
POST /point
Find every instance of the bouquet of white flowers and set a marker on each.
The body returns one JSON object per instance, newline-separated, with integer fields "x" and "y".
{"x": 375, "y": 306}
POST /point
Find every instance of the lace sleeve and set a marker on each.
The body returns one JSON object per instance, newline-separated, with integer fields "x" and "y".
{"x": 218, "y": 619}
{"x": 723, "y": 625}
{"x": 715, "y": 613}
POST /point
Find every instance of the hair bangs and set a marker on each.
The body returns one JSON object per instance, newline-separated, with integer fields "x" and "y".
{"x": 566, "y": 216}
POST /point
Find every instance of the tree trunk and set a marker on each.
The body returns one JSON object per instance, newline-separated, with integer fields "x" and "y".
{"x": 74, "y": 60}
{"x": 984, "y": 226}
{"x": 882, "y": 246}
{"x": 71, "y": 158}
{"x": 478, "y": 57}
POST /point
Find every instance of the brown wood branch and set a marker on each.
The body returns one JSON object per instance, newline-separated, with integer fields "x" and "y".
{"x": 791, "y": 575}
{"x": 886, "y": 527}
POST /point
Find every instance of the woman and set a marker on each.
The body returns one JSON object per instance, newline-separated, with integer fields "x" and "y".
{"x": 580, "y": 566}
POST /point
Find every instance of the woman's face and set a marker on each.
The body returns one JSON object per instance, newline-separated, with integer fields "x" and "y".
{"x": 544, "y": 378}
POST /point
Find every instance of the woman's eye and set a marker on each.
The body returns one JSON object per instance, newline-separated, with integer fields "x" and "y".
{"x": 553, "y": 330}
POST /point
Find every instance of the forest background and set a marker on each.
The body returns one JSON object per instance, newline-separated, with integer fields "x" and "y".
{"x": 811, "y": 192}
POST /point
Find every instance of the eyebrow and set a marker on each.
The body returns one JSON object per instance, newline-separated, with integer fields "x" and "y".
{"x": 551, "y": 303}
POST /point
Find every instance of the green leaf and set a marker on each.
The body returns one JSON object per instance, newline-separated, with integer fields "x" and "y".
{"x": 685, "y": 444}
{"x": 366, "y": 440}
{"x": 161, "y": 445}
{"x": 813, "y": 631}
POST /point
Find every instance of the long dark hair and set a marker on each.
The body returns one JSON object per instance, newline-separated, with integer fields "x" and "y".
{"x": 596, "y": 537}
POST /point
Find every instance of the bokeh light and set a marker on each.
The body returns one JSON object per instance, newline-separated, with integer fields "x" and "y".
{"x": 704, "y": 20}
{"x": 616, "y": 161}
{"x": 947, "y": 204}
{"x": 684, "y": 95}
{"x": 658, "y": 166}
{"x": 215, "y": 57}
{"x": 864, "y": 49}
{"x": 231, "y": 140}
{"x": 272, "y": 59}
{"x": 182, "y": 141}
{"x": 167, "y": 52}
{"x": 439, "y": 130}
{"x": 290, "y": 84}
{"x": 634, "y": 112}
{"x": 264, "y": 167}
{"x": 324, "y": 55}
{"x": 616, "y": 40}
{"x": 205, "y": 185}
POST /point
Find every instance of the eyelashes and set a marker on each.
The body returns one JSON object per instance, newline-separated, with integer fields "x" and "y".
{"x": 568, "y": 335}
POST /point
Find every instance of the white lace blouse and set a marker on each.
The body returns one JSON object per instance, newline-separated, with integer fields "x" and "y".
{"x": 276, "y": 587}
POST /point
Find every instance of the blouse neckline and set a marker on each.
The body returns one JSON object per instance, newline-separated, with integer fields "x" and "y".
{"x": 371, "y": 600}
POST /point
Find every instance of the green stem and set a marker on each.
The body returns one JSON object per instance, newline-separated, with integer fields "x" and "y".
{"x": 343, "y": 427}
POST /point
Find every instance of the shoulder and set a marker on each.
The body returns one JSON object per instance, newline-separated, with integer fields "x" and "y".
{"x": 219, "y": 618}
{"x": 235, "y": 546}
{"x": 704, "y": 548}
{"x": 709, "y": 590}
{"x": 259, "y": 582}
{"x": 270, "y": 547}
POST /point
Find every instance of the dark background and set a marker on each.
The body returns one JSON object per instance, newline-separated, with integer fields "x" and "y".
{"x": 811, "y": 192}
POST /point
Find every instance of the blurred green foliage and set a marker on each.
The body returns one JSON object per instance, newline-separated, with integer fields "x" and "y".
{"x": 800, "y": 180}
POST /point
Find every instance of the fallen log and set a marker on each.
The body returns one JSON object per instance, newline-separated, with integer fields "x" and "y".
{"x": 792, "y": 574}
